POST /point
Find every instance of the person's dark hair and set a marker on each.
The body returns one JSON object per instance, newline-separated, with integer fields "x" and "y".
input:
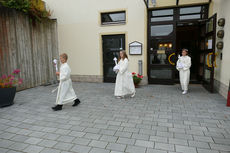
{"x": 186, "y": 50}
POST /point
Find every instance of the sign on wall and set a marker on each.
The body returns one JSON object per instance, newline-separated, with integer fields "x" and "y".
{"x": 135, "y": 48}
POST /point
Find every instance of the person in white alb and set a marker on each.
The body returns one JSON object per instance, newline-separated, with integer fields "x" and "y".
{"x": 183, "y": 66}
{"x": 124, "y": 80}
{"x": 65, "y": 92}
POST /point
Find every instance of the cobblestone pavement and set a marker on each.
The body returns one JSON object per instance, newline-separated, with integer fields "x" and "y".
{"x": 158, "y": 120}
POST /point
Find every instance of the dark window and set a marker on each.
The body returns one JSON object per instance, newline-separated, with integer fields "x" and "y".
{"x": 162, "y": 12}
{"x": 161, "y": 30}
{"x": 113, "y": 18}
{"x": 189, "y": 13}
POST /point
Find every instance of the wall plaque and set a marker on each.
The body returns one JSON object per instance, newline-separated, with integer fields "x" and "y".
{"x": 135, "y": 48}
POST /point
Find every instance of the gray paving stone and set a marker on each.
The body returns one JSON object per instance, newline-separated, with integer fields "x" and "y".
{"x": 63, "y": 146}
{"x": 143, "y": 143}
{"x": 185, "y": 149}
{"x": 126, "y": 141}
{"x": 178, "y": 141}
{"x": 206, "y": 151}
{"x": 199, "y": 144}
{"x": 149, "y": 150}
{"x": 33, "y": 140}
{"x": 65, "y": 139}
{"x": 81, "y": 141}
{"x": 98, "y": 144}
{"x": 92, "y": 136}
{"x": 49, "y": 150}
{"x": 158, "y": 139}
{"x": 33, "y": 149}
{"x": 5, "y": 143}
{"x": 77, "y": 134}
{"x": 80, "y": 149}
{"x": 135, "y": 149}
{"x": 47, "y": 143}
{"x": 18, "y": 146}
{"x": 140, "y": 136}
{"x": 99, "y": 150}
{"x": 116, "y": 147}
{"x": 108, "y": 138}
{"x": 164, "y": 146}
{"x": 2, "y": 150}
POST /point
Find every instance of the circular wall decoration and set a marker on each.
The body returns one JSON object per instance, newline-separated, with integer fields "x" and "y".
{"x": 220, "y": 34}
{"x": 221, "y": 22}
{"x": 220, "y": 45}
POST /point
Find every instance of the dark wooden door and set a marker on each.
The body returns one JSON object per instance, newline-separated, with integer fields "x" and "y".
{"x": 208, "y": 44}
{"x": 112, "y": 45}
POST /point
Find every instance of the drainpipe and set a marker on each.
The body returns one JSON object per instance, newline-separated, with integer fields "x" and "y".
{"x": 140, "y": 67}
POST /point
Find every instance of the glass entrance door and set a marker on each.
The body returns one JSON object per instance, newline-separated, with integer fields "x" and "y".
{"x": 161, "y": 47}
{"x": 112, "y": 45}
{"x": 208, "y": 46}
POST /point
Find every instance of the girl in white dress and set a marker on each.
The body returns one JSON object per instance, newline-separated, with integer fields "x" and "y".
{"x": 65, "y": 92}
{"x": 183, "y": 66}
{"x": 124, "y": 80}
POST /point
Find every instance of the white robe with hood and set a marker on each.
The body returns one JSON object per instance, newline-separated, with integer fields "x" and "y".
{"x": 65, "y": 92}
{"x": 124, "y": 80}
{"x": 183, "y": 66}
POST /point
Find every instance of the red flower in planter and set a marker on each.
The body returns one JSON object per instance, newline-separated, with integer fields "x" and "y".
{"x": 16, "y": 71}
{"x": 10, "y": 80}
{"x": 133, "y": 73}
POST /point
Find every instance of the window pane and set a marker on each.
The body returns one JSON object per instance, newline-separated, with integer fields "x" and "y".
{"x": 161, "y": 30}
{"x": 207, "y": 75}
{"x": 156, "y": 19}
{"x": 161, "y": 73}
{"x": 162, "y": 12}
{"x": 209, "y": 26}
{"x": 185, "y": 17}
{"x": 113, "y": 17}
{"x": 189, "y": 10}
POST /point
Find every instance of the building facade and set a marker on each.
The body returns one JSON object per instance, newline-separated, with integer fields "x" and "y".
{"x": 152, "y": 32}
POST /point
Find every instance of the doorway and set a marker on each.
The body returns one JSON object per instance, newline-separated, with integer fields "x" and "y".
{"x": 112, "y": 45}
{"x": 188, "y": 36}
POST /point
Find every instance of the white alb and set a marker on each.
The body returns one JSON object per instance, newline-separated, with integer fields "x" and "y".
{"x": 124, "y": 80}
{"x": 65, "y": 92}
{"x": 183, "y": 66}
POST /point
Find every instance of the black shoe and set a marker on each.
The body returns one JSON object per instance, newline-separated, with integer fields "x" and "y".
{"x": 57, "y": 108}
{"x": 76, "y": 102}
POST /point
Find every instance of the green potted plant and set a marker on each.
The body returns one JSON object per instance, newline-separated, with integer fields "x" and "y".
{"x": 136, "y": 79}
{"x": 8, "y": 88}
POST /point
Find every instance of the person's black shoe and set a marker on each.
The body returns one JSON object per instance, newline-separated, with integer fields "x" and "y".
{"x": 76, "y": 102}
{"x": 57, "y": 108}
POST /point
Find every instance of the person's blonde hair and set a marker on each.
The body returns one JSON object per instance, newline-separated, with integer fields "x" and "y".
{"x": 124, "y": 54}
{"x": 65, "y": 56}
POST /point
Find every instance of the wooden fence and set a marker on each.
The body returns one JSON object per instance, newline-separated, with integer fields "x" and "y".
{"x": 28, "y": 47}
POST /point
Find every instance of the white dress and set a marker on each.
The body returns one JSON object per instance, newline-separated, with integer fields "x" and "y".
{"x": 183, "y": 66}
{"x": 124, "y": 80}
{"x": 65, "y": 92}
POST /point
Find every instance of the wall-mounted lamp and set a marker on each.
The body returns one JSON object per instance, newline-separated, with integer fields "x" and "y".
{"x": 220, "y": 34}
{"x": 220, "y": 45}
{"x": 221, "y": 22}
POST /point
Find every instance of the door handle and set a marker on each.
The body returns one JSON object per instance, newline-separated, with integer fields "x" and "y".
{"x": 208, "y": 61}
{"x": 169, "y": 58}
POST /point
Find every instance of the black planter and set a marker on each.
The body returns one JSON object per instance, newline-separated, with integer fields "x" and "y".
{"x": 7, "y": 96}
